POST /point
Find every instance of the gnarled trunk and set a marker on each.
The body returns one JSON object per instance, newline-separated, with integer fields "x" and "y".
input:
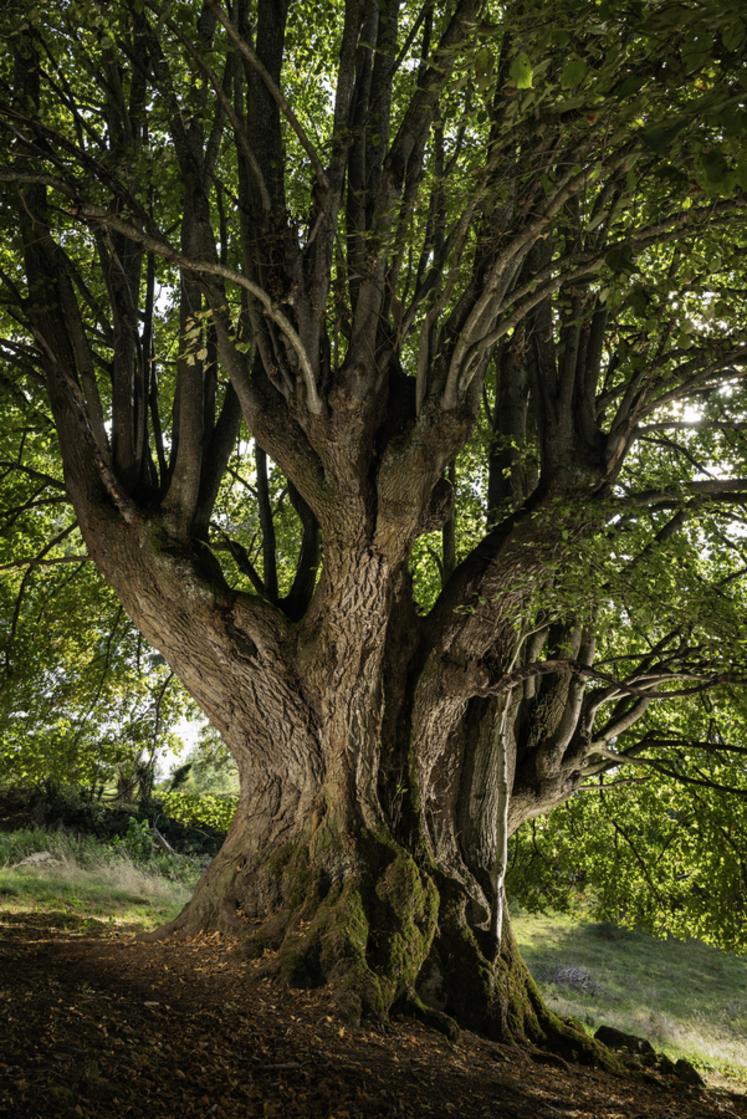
{"x": 366, "y": 848}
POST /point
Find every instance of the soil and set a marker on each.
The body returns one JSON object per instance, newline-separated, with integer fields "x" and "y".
{"x": 97, "y": 1024}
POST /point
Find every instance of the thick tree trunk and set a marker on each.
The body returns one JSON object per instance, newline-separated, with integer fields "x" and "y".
{"x": 382, "y": 927}
{"x": 373, "y": 918}
{"x": 351, "y": 861}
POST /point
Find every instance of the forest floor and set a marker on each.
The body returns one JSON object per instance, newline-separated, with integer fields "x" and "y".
{"x": 96, "y": 1023}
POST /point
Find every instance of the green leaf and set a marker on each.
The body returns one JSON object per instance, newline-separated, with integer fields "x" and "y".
{"x": 630, "y": 85}
{"x": 574, "y": 72}
{"x": 733, "y": 35}
{"x": 560, "y": 37}
{"x": 639, "y": 300}
{"x": 714, "y": 165}
{"x": 733, "y": 121}
{"x": 620, "y": 259}
{"x": 484, "y": 66}
{"x": 698, "y": 53}
{"x": 661, "y": 136}
{"x": 520, "y": 71}
{"x": 741, "y": 174}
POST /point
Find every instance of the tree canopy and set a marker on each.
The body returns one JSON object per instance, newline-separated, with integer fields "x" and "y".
{"x": 396, "y": 354}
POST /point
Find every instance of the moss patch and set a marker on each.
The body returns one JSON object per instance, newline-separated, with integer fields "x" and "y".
{"x": 365, "y": 930}
{"x": 411, "y": 904}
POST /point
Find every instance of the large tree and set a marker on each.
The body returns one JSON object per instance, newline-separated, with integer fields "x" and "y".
{"x": 393, "y": 254}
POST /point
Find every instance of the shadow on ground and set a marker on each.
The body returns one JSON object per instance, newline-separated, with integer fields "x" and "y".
{"x": 97, "y": 1024}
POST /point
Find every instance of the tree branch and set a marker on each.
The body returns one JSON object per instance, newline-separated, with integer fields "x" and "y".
{"x": 213, "y": 268}
{"x": 274, "y": 90}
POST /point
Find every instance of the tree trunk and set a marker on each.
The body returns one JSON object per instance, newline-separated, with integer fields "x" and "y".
{"x": 356, "y": 863}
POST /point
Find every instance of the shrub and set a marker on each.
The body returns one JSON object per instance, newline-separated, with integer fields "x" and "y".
{"x": 192, "y": 824}
{"x": 137, "y": 841}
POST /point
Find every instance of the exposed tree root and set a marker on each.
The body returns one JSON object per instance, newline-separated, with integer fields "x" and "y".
{"x": 365, "y": 934}
{"x": 496, "y": 996}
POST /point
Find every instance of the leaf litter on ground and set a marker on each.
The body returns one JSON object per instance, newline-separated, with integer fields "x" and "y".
{"x": 98, "y": 1023}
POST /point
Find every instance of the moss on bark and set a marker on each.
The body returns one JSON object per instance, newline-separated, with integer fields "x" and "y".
{"x": 365, "y": 930}
{"x": 494, "y": 994}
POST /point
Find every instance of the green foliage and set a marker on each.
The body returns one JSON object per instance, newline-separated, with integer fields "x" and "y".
{"x": 520, "y": 71}
{"x": 63, "y": 810}
{"x": 137, "y": 842}
{"x": 650, "y": 853}
{"x": 207, "y": 768}
{"x": 196, "y": 809}
{"x": 83, "y": 699}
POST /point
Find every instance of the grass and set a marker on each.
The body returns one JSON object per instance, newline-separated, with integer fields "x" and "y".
{"x": 688, "y": 999}
{"x": 92, "y": 880}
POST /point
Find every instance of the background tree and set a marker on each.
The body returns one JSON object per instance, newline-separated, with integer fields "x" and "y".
{"x": 658, "y": 845}
{"x": 208, "y": 767}
{"x": 83, "y": 699}
{"x": 417, "y": 251}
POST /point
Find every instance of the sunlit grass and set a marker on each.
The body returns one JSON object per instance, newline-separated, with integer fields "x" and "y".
{"x": 688, "y": 999}
{"x": 89, "y": 879}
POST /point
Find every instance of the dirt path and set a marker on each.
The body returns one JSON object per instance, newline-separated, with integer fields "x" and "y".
{"x": 99, "y": 1025}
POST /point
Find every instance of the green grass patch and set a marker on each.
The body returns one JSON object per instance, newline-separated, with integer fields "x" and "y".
{"x": 91, "y": 880}
{"x": 687, "y": 998}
